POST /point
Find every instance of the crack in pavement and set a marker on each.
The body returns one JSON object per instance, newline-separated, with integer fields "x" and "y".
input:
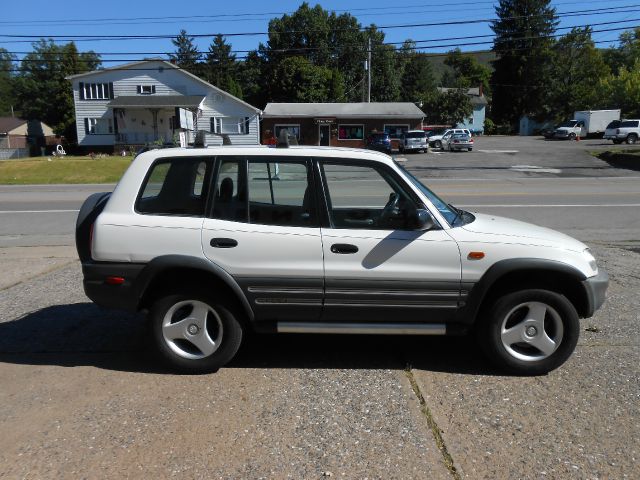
{"x": 433, "y": 426}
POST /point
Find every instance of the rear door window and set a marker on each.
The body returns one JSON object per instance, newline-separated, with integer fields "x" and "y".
{"x": 176, "y": 186}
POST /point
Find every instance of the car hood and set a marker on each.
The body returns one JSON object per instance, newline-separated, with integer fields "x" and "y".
{"x": 514, "y": 231}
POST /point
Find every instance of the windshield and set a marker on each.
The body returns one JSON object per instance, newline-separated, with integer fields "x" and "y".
{"x": 445, "y": 210}
{"x": 569, "y": 123}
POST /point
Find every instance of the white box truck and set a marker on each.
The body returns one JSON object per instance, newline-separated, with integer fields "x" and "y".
{"x": 586, "y": 122}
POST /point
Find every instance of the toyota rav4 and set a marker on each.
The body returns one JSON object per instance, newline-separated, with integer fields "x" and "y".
{"x": 214, "y": 243}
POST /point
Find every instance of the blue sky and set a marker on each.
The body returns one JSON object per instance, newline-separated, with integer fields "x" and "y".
{"x": 118, "y": 17}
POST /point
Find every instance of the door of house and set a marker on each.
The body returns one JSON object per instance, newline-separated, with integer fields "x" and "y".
{"x": 325, "y": 135}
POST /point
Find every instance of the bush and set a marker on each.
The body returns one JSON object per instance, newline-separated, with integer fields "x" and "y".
{"x": 489, "y": 127}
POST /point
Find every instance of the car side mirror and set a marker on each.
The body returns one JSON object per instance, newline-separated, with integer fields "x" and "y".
{"x": 424, "y": 220}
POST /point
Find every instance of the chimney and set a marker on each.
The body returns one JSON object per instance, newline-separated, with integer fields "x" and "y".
{"x": 480, "y": 90}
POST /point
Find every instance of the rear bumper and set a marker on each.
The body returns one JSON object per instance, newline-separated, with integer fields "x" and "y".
{"x": 415, "y": 147}
{"x": 595, "y": 287}
{"x": 124, "y": 296}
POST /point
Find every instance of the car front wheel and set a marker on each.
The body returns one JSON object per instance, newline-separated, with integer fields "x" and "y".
{"x": 530, "y": 332}
{"x": 437, "y": 144}
{"x": 195, "y": 333}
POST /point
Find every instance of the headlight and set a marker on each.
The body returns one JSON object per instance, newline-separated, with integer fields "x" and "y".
{"x": 591, "y": 260}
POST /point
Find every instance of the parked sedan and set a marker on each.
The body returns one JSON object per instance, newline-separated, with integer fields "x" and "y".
{"x": 459, "y": 141}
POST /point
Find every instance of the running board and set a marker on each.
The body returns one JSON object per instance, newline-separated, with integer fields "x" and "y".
{"x": 364, "y": 328}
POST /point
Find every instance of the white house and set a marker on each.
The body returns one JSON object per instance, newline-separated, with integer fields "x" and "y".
{"x": 154, "y": 101}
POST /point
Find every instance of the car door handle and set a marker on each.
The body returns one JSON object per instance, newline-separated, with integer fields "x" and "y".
{"x": 223, "y": 242}
{"x": 343, "y": 248}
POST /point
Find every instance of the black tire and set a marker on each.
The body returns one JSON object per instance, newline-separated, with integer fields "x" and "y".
{"x": 437, "y": 144}
{"x": 572, "y": 136}
{"x": 617, "y": 142}
{"x": 516, "y": 312}
{"x": 470, "y": 149}
{"x": 632, "y": 139}
{"x": 220, "y": 326}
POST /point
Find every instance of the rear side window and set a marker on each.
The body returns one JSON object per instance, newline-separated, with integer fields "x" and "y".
{"x": 629, "y": 124}
{"x": 175, "y": 186}
{"x": 265, "y": 191}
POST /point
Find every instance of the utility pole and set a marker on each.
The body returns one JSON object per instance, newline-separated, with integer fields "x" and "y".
{"x": 369, "y": 71}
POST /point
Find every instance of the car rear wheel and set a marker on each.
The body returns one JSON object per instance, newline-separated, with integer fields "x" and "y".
{"x": 632, "y": 139}
{"x": 529, "y": 332}
{"x": 195, "y": 333}
{"x": 617, "y": 142}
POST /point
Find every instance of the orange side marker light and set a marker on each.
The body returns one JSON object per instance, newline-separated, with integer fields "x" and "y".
{"x": 476, "y": 255}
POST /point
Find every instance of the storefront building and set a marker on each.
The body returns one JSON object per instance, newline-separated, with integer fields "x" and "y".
{"x": 339, "y": 124}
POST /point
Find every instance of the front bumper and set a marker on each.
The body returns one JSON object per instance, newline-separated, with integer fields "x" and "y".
{"x": 595, "y": 288}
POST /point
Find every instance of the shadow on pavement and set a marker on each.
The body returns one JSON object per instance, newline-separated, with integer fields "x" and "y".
{"x": 629, "y": 160}
{"x": 85, "y": 334}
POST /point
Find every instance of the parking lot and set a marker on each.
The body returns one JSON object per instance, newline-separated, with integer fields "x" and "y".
{"x": 84, "y": 396}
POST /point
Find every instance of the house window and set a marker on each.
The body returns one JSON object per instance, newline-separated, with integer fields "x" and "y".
{"x": 96, "y": 91}
{"x": 396, "y": 131}
{"x": 146, "y": 89}
{"x": 98, "y": 126}
{"x": 350, "y": 132}
{"x": 292, "y": 129}
{"x": 230, "y": 125}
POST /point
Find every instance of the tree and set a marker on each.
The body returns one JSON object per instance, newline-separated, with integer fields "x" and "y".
{"x": 627, "y": 52}
{"x": 6, "y": 82}
{"x": 523, "y": 41}
{"x": 324, "y": 39}
{"x": 385, "y": 80}
{"x": 252, "y": 80}
{"x": 576, "y": 62}
{"x": 186, "y": 55}
{"x": 623, "y": 90}
{"x": 465, "y": 72}
{"x": 448, "y": 108}
{"x": 298, "y": 80}
{"x": 221, "y": 67}
{"x": 417, "y": 82}
{"x": 41, "y": 89}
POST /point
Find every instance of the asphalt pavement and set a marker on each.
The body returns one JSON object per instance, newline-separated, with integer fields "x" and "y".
{"x": 83, "y": 395}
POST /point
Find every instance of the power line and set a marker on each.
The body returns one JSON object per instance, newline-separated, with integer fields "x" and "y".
{"x": 382, "y": 27}
{"x": 469, "y": 37}
{"x": 416, "y": 48}
{"x": 430, "y": 55}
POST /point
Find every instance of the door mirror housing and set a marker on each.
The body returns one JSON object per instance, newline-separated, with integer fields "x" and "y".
{"x": 424, "y": 220}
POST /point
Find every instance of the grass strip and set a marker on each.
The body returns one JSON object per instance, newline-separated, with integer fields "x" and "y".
{"x": 50, "y": 170}
{"x": 433, "y": 426}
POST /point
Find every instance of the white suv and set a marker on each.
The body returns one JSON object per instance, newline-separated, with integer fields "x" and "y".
{"x": 625, "y": 131}
{"x": 217, "y": 242}
{"x": 438, "y": 141}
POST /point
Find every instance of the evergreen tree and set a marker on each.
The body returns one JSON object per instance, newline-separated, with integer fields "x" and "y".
{"x": 186, "y": 55}
{"x": 523, "y": 41}
{"x": 417, "y": 82}
{"x": 221, "y": 66}
{"x": 6, "y": 82}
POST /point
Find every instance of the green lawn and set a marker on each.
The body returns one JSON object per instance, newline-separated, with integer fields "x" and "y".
{"x": 45, "y": 170}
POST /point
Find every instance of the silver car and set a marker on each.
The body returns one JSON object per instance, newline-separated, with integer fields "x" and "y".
{"x": 458, "y": 141}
